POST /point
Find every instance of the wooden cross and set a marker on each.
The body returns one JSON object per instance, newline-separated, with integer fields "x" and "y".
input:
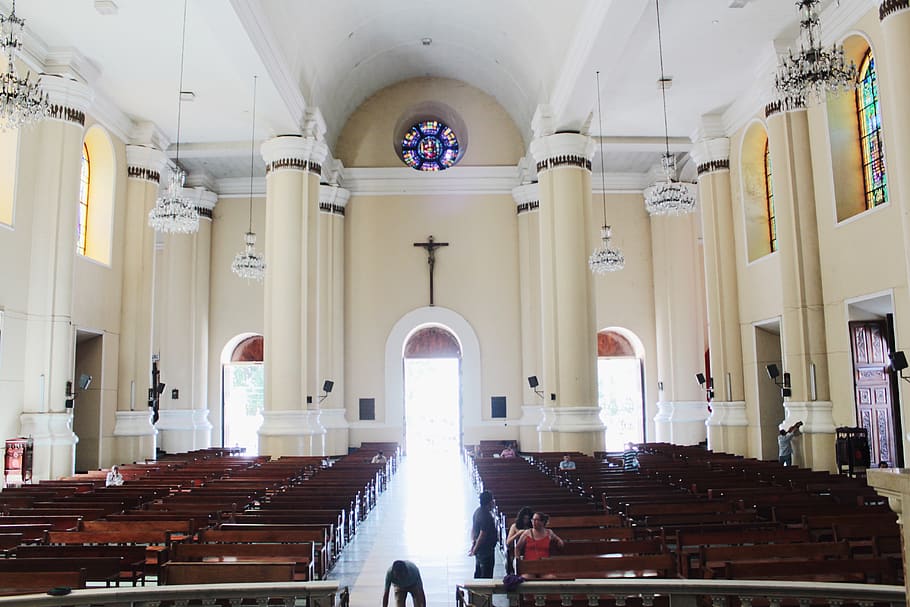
{"x": 431, "y": 245}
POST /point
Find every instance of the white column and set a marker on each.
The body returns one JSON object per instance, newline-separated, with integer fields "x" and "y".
{"x": 568, "y": 340}
{"x": 182, "y": 332}
{"x": 135, "y": 437}
{"x": 527, "y": 201}
{"x": 330, "y": 317}
{"x": 293, "y": 165}
{"x": 49, "y": 338}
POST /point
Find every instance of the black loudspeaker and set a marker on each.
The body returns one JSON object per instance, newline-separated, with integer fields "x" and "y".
{"x": 327, "y": 386}
{"x": 498, "y": 406}
{"x": 84, "y": 381}
{"x": 160, "y": 388}
{"x": 532, "y": 381}
{"x": 700, "y": 378}
{"x": 898, "y": 361}
{"x": 773, "y": 371}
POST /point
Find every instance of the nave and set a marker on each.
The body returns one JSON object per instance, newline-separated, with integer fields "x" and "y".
{"x": 424, "y": 516}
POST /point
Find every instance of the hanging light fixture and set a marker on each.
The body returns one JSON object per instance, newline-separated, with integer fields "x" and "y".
{"x": 815, "y": 71}
{"x": 605, "y": 258}
{"x": 248, "y": 263}
{"x": 667, "y": 197}
{"x": 21, "y": 102}
{"x": 173, "y": 212}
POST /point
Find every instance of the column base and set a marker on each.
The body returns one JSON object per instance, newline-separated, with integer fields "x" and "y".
{"x": 55, "y": 443}
{"x": 291, "y": 433}
{"x": 528, "y": 437}
{"x": 687, "y": 422}
{"x": 727, "y": 427}
{"x": 571, "y": 429}
{"x": 181, "y": 430}
{"x": 815, "y": 448}
{"x": 135, "y": 438}
{"x": 337, "y": 431}
{"x": 662, "y": 422}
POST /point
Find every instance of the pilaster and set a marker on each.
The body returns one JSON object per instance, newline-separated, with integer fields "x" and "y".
{"x": 291, "y": 432}
{"x": 527, "y": 201}
{"x": 528, "y": 435}
{"x": 55, "y": 443}
{"x": 727, "y": 427}
{"x": 134, "y": 435}
{"x": 816, "y": 447}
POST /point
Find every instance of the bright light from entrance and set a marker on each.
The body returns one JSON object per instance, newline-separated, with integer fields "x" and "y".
{"x": 431, "y": 405}
{"x": 243, "y": 404}
{"x": 619, "y": 396}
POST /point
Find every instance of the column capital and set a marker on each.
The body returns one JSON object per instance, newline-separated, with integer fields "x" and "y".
{"x": 563, "y": 149}
{"x": 333, "y": 199}
{"x": 294, "y": 152}
{"x": 203, "y": 198}
{"x": 527, "y": 197}
{"x": 781, "y": 106}
{"x": 711, "y": 155}
{"x": 69, "y": 98}
{"x": 892, "y": 7}
{"x": 144, "y": 162}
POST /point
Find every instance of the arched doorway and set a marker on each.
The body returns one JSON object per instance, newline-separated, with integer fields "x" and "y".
{"x": 620, "y": 387}
{"x": 242, "y": 393}
{"x": 432, "y": 392}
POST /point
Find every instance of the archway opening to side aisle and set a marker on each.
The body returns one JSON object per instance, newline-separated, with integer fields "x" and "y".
{"x": 432, "y": 392}
{"x": 620, "y": 387}
{"x": 242, "y": 394}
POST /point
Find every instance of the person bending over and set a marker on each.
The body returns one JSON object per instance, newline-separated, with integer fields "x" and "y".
{"x": 785, "y": 444}
{"x": 405, "y": 576}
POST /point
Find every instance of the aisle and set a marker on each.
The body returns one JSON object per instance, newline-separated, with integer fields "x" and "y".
{"x": 424, "y": 516}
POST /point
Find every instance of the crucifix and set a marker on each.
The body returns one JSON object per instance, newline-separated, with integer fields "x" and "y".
{"x": 431, "y": 245}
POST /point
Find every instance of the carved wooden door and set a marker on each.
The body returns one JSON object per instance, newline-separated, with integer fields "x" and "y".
{"x": 872, "y": 388}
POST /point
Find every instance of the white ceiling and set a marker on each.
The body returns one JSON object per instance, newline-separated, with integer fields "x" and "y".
{"x": 333, "y": 54}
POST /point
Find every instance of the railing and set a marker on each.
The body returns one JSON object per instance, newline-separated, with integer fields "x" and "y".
{"x": 681, "y": 593}
{"x": 315, "y": 594}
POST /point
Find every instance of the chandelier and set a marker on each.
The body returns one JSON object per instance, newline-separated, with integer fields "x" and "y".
{"x": 248, "y": 263}
{"x": 814, "y": 71}
{"x": 173, "y": 212}
{"x": 21, "y": 102}
{"x": 667, "y": 197}
{"x": 606, "y": 258}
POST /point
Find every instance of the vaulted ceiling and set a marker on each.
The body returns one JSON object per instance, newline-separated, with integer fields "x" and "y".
{"x": 333, "y": 54}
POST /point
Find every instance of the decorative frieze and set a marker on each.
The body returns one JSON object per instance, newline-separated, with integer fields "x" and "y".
{"x": 143, "y": 173}
{"x": 294, "y": 163}
{"x": 713, "y": 166}
{"x": 204, "y": 212}
{"x": 562, "y": 161}
{"x": 67, "y": 114}
{"x": 526, "y": 207}
{"x": 331, "y": 208}
{"x": 889, "y": 7}
{"x": 788, "y": 104}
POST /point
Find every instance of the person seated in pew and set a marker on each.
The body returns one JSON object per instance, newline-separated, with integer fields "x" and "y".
{"x": 509, "y": 451}
{"x": 630, "y": 457}
{"x": 537, "y": 541}
{"x": 405, "y": 576}
{"x": 379, "y": 458}
{"x": 114, "y": 478}
{"x": 522, "y": 523}
{"x": 566, "y": 463}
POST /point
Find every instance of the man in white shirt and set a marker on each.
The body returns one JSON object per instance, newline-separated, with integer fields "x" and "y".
{"x": 785, "y": 444}
{"x": 566, "y": 463}
{"x": 380, "y": 458}
{"x": 114, "y": 478}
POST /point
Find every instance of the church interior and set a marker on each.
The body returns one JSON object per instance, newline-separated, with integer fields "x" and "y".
{"x": 304, "y": 228}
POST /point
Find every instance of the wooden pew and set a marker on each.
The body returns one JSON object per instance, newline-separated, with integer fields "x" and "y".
{"x": 174, "y": 573}
{"x": 319, "y": 537}
{"x": 40, "y": 582}
{"x": 302, "y": 554}
{"x": 97, "y": 568}
{"x": 718, "y": 556}
{"x": 133, "y": 563}
{"x": 871, "y": 571}
{"x": 584, "y": 567}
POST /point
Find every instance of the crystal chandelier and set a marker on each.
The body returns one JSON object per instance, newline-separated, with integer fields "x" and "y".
{"x": 21, "y": 102}
{"x": 248, "y": 263}
{"x": 606, "y": 258}
{"x": 667, "y": 197}
{"x": 173, "y": 212}
{"x": 814, "y": 71}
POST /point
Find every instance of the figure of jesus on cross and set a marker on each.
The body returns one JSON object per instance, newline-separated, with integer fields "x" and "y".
{"x": 431, "y": 245}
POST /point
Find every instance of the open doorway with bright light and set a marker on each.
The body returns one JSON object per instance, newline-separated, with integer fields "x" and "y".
{"x": 620, "y": 388}
{"x": 243, "y": 395}
{"x": 432, "y": 393}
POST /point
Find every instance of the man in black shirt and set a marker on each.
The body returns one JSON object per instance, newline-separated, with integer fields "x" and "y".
{"x": 483, "y": 534}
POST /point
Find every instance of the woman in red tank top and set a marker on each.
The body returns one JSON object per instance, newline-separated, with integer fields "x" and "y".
{"x": 537, "y": 540}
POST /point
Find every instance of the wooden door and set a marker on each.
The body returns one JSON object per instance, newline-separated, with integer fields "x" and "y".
{"x": 872, "y": 388}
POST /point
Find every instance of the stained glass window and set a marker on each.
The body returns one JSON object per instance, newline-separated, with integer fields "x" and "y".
{"x": 84, "y": 180}
{"x": 429, "y": 145}
{"x": 769, "y": 199}
{"x": 870, "y": 134}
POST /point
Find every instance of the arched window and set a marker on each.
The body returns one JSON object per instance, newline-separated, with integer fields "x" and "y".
{"x": 769, "y": 199}
{"x": 869, "y": 113}
{"x": 85, "y": 178}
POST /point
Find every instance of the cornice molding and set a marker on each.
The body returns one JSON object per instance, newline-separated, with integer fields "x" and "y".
{"x": 66, "y": 93}
{"x": 239, "y": 187}
{"x": 293, "y": 151}
{"x": 563, "y": 149}
{"x": 405, "y": 181}
{"x": 145, "y": 158}
{"x": 711, "y": 150}
{"x": 202, "y": 198}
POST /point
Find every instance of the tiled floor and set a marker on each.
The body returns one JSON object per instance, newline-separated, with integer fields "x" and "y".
{"x": 424, "y": 516}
